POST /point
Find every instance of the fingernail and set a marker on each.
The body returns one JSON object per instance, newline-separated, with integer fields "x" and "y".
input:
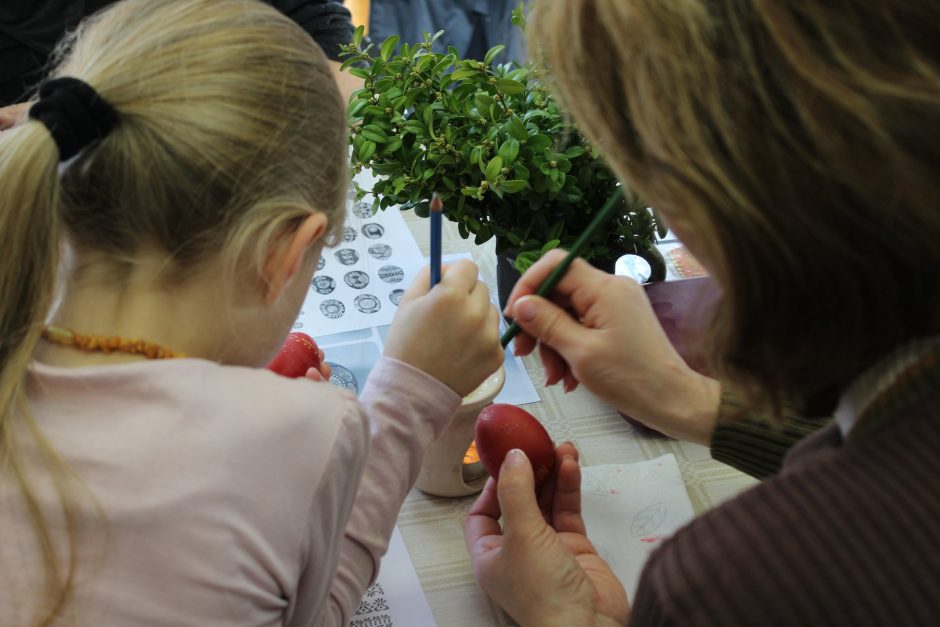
{"x": 525, "y": 310}
{"x": 515, "y": 457}
{"x": 568, "y": 458}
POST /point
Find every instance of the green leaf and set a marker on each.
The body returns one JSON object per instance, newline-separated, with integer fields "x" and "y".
{"x": 424, "y": 62}
{"x": 518, "y": 16}
{"x": 492, "y": 53}
{"x": 459, "y": 75}
{"x": 359, "y": 72}
{"x": 550, "y": 245}
{"x": 574, "y": 152}
{"x": 374, "y": 133}
{"x": 513, "y": 186}
{"x": 509, "y": 150}
{"x": 493, "y": 168}
{"x": 483, "y": 235}
{"x": 350, "y": 61}
{"x": 510, "y": 87}
{"x": 413, "y": 126}
{"x": 517, "y": 128}
{"x": 539, "y": 143}
{"x": 388, "y": 46}
{"x": 366, "y": 151}
{"x": 525, "y": 260}
{"x": 356, "y": 106}
{"x": 483, "y": 102}
{"x": 358, "y": 35}
{"x": 513, "y": 238}
{"x": 392, "y": 145}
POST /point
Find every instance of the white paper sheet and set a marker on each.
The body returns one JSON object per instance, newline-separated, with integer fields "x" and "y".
{"x": 396, "y": 598}
{"x": 629, "y": 509}
{"x": 359, "y": 282}
{"x": 353, "y": 354}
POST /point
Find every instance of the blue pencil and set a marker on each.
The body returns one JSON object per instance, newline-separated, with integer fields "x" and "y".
{"x": 436, "y": 209}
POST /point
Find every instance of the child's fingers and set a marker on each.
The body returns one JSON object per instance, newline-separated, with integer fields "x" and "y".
{"x": 461, "y": 276}
{"x": 419, "y": 287}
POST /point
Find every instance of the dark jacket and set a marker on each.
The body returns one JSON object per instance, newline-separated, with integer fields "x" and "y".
{"x": 30, "y": 29}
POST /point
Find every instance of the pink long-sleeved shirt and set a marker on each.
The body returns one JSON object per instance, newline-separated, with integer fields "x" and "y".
{"x": 227, "y": 495}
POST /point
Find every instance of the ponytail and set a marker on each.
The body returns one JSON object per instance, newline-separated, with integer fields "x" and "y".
{"x": 29, "y": 237}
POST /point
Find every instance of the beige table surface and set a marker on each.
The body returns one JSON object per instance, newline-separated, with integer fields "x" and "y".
{"x": 432, "y": 526}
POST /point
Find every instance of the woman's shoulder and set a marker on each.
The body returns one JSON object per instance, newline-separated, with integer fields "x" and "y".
{"x": 827, "y": 544}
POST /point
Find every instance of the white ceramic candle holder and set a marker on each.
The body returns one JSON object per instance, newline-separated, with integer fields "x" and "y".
{"x": 443, "y": 472}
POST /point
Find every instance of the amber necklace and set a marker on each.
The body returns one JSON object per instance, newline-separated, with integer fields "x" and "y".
{"x": 107, "y": 344}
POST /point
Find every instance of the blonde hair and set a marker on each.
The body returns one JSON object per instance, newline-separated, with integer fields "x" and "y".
{"x": 231, "y": 131}
{"x": 800, "y": 139}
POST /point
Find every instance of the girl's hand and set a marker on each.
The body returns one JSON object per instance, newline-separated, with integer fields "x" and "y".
{"x": 11, "y": 113}
{"x": 600, "y": 330}
{"x": 324, "y": 372}
{"x": 540, "y": 567}
{"x": 450, "y": 332}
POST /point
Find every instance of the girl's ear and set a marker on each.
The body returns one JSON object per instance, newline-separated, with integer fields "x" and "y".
{"x": 285, "y": 258}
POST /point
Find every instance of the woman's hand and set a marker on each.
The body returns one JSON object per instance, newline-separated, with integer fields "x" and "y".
{"x": 600, "y": 330}
{"x": 540, "y": 567}
{"x": 450, "y": 332}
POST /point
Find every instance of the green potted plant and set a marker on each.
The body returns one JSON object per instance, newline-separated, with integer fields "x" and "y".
{"x": 493, "y": 143}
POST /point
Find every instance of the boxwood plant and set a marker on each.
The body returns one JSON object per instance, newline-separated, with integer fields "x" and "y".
{"x": 493, "y": 143}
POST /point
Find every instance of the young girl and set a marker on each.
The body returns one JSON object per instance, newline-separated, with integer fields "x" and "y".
{"x": 188, "y": 162}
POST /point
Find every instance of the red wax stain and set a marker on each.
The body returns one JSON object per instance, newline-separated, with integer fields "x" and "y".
{"x": 613, "y": 491}
{"x": 652, "y": 539}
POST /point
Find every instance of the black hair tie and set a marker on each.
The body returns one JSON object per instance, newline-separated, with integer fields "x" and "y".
{"x": 74, "y": 113}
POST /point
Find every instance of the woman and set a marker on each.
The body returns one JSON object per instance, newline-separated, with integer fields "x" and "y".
{"x": 792, "y": 145}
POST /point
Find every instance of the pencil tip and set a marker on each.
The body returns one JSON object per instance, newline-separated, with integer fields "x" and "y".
{"x": 436, "y": 202}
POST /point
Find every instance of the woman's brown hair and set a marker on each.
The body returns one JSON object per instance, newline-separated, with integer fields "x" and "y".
{"x": 231, "y": 131}
{"x": 800, "y": 139}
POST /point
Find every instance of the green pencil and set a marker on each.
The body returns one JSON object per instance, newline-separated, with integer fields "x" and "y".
{"x": 552, "y": 279}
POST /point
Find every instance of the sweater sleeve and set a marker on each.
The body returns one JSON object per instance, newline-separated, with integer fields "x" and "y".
{"x": 327, "y": 21}
{"x": 755, "y": 443}
{"x": 406, "y": 410}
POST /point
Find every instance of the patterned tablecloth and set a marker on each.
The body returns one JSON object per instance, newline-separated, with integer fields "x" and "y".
{"x": 432, "y": 527}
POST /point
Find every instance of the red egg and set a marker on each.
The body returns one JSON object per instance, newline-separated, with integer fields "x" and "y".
{"x": 501, "y": 428}
{"x": 299, "y": 353}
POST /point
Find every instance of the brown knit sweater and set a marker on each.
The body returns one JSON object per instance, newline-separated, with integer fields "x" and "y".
{"x": 847, "y": 534}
